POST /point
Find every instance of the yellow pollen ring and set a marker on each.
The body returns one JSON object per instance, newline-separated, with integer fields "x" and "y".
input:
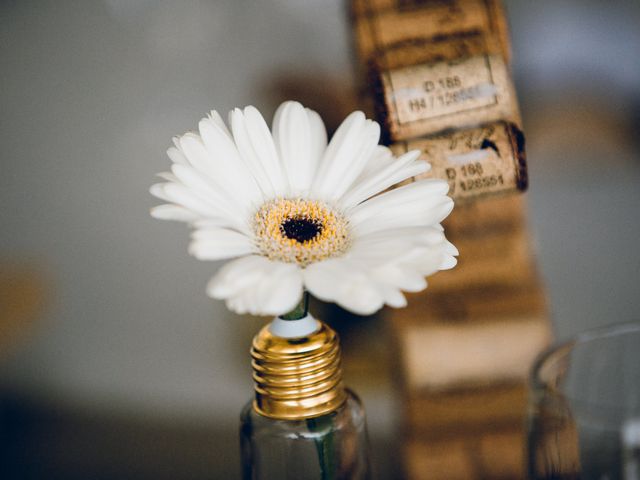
{"x": 332, "y": 238}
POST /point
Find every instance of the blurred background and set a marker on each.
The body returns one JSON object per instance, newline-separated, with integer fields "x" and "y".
{"x": 113, "y": 362}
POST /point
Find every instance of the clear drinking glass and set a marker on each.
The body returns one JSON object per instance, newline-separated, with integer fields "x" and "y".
{"x": 584, "y": 412}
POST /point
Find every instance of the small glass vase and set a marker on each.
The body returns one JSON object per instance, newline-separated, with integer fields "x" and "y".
{"x": 302, "y": 424}
{"x": 332, "y": 446}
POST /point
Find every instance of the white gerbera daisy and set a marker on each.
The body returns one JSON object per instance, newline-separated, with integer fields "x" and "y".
{"x": 301, "y": 214}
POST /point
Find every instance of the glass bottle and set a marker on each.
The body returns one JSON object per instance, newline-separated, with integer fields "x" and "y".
{"x": 303, "y": 423}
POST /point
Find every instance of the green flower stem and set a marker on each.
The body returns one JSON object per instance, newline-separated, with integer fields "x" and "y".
{"x": 321, "y": 425}
{"x": 324, "y": 445}
{"x": 300, "y": 311}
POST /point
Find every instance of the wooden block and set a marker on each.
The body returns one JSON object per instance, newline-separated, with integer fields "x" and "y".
{"x": 381, "y": 25}
{"x": 491, "y": 455}
{"x": 439, "y": 357}
{"x": 428, "y": 98}
{"x": 467, "y": 306}
{"x": 494, "y": 246}
{"x": 460, "y": 338}
{"x": 493, "y": 260}
{"x": 439, "y": 415}
{"x": 487, "y": 216}
{"x": 502, "y": 454}
{"x": 448, "y": 460}
{"x": 437, "y": 49}
{"x": 476, "y": 162}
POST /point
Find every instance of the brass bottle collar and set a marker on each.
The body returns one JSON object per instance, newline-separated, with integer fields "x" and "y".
{"x": 297, "y": 378}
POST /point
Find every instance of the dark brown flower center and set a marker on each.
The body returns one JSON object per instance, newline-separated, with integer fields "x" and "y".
{"x": 301, "y": 229}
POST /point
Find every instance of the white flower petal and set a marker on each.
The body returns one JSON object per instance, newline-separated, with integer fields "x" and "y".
{"x": 282, "y": 291}
{"x": 322, "y": 279}
{"x": 157, "y": 190}
{"x": 235, "y": 276}
{"x": 173, "y": 212}
{"x": 292, "y": 137}
{"x": 318, "y": 138}
{"x": 420, "y": 203}
{"x": 336, "y": 280}
{"x": 404, "y": 167}
{"x": 377, "y": 251}
{"x": 208, "y": 190}
{"x": 381, "y": 158}
{"x": 197, "y": 182}
{"x": 448, "y": 263}
{"x": 346, "y": 156}
{"x": 219, "y": 243}
{"x": 393, "y": 244}
{"x": 362, "y": 297}
{"x": 403, "y": 278}
{"x": 215, "y": 117}
{"x": 177, "y": 156}
{"x": 183, "y": 196}
{"x": 256, "y": 285}
{"x": 423, "y": 235}
{"x": 248, "y": 154}
{"x": 426, "y": 188}
{"x": 221, "y": 167}
{"x": 393, "y": 297}
{"x": 197, "y": 155}
{"x": 428, "y": 260}
{"x": 262, "y": 143}
{"x": 238, "y": 305}
{"x": 231, "y": 171}
{"x": 379, "y": 217}
{"x": 347, "y": 176}
{"x": 212, "y": 222}
{"x": 219, "y": 250}
{"x": 451, "y": 249}
{"x": 168, "y": 176}
{"x": 342, "y": 148}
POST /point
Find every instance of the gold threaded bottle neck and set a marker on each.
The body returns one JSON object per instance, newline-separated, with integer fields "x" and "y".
{"x": 297, "y": 378}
